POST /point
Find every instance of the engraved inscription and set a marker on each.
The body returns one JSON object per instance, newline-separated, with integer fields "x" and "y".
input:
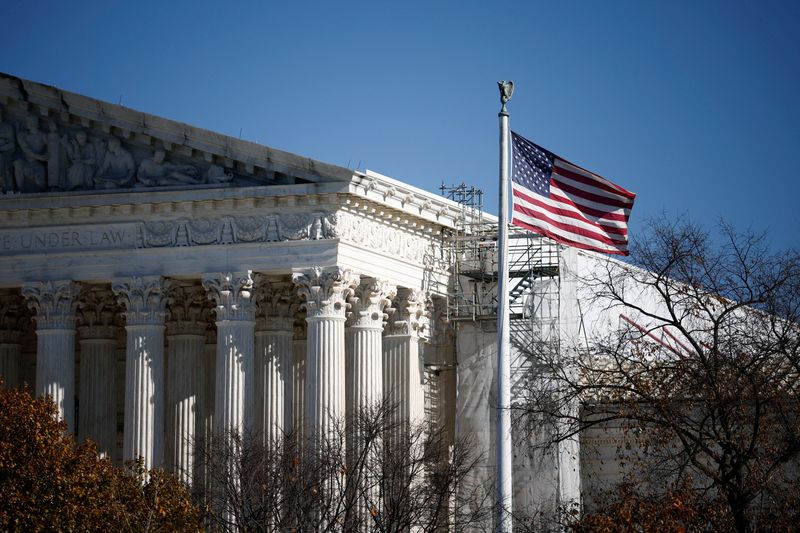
{"x": 72, "y": 238}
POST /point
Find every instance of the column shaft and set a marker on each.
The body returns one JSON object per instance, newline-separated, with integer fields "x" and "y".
{"x": 11, "y": 358}
{"x": 402, "y": 377}
{"x": 55, "y": 370}
{"x": 210, "y": 387}
{"x": 98, "y": 371}
{"x": 298, "y": 395}
{"x": 273, "y": 359}
{"x": 364, "y": 448}
{"x": 234, "y": 384}
{"x": 13, "y": 322}
{"x": 185, "y": 380}
{"x": 366, "y": 366}
{"x": 98, "y": 407}
{"x": 325, "y": 399}
{"x": 144, "y": 395}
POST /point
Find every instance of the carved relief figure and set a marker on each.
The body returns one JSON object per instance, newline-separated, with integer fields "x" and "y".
{"x": 55, "y": 159}
{"x": 7, "y": 146}
{"x": 117, "y": 169}
{"x": 82, "y": 160}
{"x": 29, "y": 169}
{"x": 315, "y": 229}
{"x": 37, "y": 160}
{"x": 156, "y": 171}
{"x": 217, "y": 174}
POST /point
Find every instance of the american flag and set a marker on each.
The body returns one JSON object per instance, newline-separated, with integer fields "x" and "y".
{"x": 567, "y": 203}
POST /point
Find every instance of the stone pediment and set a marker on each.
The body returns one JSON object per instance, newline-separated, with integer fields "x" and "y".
{"x": 53, "y": 141}
{"x": 60, "y": 150}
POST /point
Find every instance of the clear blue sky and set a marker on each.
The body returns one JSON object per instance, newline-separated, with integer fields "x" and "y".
{"x": 692, "y": 105}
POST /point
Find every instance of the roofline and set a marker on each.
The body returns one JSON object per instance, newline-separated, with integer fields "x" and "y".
{"x": 246, "y": 156}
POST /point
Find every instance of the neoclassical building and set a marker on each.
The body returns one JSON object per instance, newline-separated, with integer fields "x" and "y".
{"x": 162, "y": 282}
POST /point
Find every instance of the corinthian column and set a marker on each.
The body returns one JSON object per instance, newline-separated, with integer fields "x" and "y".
{"x": 54, "y": 304}
{"x": 186, "y": 337}
{"x": 364, "y": 360}
{"x": 145, "y": 302}
{"x": 364, "y": 367}
{"x": 298, "y": 381}
{"x": 325, "y": 293}
{"x": 273, "y": 359}
{"x": 235, "y": 309}
{"x": 98, "y": 394}
{"x": 13, "y": 320}
{"x": 403, "y": 369}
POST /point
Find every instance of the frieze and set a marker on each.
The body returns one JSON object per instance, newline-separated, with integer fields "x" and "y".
{"x": 393, "y": 240}
{"x": 396, "y": 241}
{"x": 238, "y": 229}
{"x": 168, "y": 233}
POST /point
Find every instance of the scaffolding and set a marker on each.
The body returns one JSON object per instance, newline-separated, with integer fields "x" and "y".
{"x": 534, "y": 282}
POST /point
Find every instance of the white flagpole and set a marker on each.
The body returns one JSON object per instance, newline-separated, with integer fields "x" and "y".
{"x": 503, "y": 425}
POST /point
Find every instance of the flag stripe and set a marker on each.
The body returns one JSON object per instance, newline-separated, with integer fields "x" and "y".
{"x": 569, "y": 242}
{"x": 589, "y": 195}
{"x": 575, "y": 169}
{"x": 590, "y": 184}
{"x": 567, "y": 210}
{"x": 559, "y": 224}
{"x": 567, "y": 203}
{"x": 620, "y": 215}
{"x": 595, "y": 209}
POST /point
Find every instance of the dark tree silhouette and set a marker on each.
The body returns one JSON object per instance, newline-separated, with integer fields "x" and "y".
{"x": 390, "y": 480}
{"x": 702, "y": 374}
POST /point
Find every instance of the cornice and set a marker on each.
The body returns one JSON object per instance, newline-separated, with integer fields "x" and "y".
{"x": 408, "y": 199}
{"x": 159, "y": 210}
{"x": 134, "y": 208}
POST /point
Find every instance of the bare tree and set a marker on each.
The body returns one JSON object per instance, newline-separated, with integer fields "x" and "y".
{"x": 387, "y": 481}
{"x": 702, "y": 369}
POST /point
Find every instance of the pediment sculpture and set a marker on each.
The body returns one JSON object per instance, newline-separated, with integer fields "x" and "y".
{"x": 44, "y": 155}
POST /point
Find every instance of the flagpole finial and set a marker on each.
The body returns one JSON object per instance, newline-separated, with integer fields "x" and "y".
{"x": 506, "y": 90}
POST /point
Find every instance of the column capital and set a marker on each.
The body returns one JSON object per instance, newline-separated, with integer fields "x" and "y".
{"x": 368, "y": 303}
{"x": 96, "y": 311}
{"x": 299, "y": 324}
{"x": 325, "y": 291}
{"x": 233, "y": 294}
{"x": 275, "y": 300}
{"x": 411, "y": 314}
{"x": 10, "y": 337}
{"x": 144, "y": 300}
{"x": 54, "y": 303}
{"x": 187, "y": 309}
{"x": 13, "y": 318}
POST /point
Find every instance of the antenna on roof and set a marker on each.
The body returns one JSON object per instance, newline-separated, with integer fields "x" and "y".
{"x": 240, "y": 133}
{"x": 119, "y": 102}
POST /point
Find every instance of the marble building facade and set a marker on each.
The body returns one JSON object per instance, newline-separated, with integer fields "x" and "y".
{"x": 162, "y": 282}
